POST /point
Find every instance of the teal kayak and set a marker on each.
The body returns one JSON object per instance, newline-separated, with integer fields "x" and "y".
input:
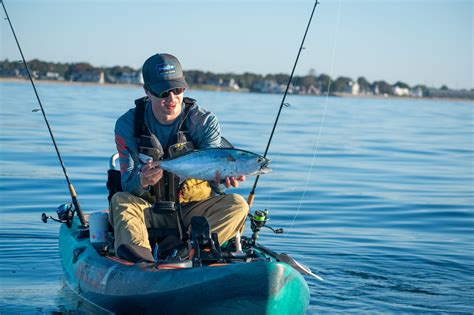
{"x": 258, "y": 283}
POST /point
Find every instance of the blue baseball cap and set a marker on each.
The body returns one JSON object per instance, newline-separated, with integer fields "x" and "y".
{"x": 163, "y": 72}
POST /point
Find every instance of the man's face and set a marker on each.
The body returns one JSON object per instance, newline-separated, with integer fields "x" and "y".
{"x": 167, "y": 108}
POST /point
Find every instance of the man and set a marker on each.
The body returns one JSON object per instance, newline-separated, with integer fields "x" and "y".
{"x": 165, "y": 124}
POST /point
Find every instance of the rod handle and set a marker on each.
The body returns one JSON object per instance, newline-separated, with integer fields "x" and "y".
{"x": 76, "y": 204}
{"x": 250, "y": 198}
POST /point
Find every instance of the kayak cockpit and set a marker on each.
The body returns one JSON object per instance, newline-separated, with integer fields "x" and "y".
{"x": 235, "y": 277}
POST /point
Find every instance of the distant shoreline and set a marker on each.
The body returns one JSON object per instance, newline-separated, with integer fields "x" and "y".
{"x": 211, "y": 88}
{"x": 19, "y": 80}
{"x": 130, "y": 85}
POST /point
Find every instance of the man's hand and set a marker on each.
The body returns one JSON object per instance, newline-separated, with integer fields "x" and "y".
{"x": 150, "y": 173}
{"x": 230, "y": 181}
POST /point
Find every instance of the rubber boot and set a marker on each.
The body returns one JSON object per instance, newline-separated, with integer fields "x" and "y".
{"x": 172, "y": 247}
{"x": 134, "y": 253}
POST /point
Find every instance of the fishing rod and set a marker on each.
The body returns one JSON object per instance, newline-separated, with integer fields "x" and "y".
{"x": 252, "y": 193}
{"x": 72, "y": 191}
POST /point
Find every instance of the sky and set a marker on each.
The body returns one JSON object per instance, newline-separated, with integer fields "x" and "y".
{"x": 426, "y": 42}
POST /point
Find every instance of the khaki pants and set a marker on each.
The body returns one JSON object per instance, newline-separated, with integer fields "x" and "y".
{"x": 131, "y": 216}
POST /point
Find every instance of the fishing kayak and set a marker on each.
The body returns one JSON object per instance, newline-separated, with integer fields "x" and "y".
{"x": 256, "y": 283}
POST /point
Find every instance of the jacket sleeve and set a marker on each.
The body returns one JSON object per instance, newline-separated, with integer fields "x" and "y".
{"x": 128, "y": 155}
{"x": 205, "y": 130}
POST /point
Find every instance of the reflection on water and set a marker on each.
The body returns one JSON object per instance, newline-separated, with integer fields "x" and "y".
{"x": 382, "y": 210}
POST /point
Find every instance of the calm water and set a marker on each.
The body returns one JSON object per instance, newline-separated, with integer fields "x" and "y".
{"x": 383, "y": 210}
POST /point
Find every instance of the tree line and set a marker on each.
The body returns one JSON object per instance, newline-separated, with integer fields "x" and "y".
{"x": 250, "y": 81}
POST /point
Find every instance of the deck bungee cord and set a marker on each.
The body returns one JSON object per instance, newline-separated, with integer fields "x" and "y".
{"x": 251, "y": 196}
{"x": 72, "y": 191}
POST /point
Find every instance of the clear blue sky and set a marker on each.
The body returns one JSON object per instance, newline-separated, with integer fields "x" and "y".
{"x": 416, "y": 41}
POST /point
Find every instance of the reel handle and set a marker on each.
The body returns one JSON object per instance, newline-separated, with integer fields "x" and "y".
{"x": 45, "y": 218}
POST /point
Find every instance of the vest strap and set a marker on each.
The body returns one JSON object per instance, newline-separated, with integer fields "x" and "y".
{"x": 167, "y": 189}
{"x": 139, "y": 119}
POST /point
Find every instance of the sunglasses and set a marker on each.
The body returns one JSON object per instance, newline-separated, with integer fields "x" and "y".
{"x": 165, "y": 94}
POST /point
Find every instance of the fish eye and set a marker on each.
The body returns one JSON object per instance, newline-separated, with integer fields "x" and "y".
{"x": 259, "y": 160}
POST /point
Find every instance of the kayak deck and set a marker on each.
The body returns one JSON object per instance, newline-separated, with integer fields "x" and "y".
{"x": 263, "y": 286}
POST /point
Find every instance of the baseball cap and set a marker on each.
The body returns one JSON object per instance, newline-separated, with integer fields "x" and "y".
{"x": 162, "y": 72}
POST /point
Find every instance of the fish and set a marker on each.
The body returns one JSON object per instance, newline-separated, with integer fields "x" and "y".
{"x": 204, "y": 164}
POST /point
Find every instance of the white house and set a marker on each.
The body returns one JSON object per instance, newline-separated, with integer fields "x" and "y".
{"x": 416, "y": 91}
{"x": 352, "y": 88}
{"x": 52, "y": 75}
{"x": 398, "y": 91}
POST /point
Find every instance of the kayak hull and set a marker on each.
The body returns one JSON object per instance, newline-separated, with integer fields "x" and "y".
{"x": 263, "y": 287}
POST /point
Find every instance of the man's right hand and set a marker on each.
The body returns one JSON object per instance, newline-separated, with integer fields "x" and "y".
{"x": 150, "y": 174}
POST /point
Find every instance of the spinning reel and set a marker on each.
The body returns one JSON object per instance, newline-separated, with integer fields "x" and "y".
{"x": 259, "y": 220}
{"x": 65, "y": 214}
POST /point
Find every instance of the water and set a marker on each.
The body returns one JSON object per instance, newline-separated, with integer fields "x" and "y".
{"x": 382, "y": 210}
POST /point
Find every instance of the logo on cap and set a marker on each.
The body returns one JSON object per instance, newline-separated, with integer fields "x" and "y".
{"x": 165, "y": 69}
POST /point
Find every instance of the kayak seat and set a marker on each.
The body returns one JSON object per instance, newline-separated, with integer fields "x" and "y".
{"x": 134, "y": 253}
{"x": 114, "y": 183}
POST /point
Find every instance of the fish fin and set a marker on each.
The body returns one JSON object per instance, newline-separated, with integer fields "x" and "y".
{"x": 144, "y": 158}
{"x": 226, "y": 144}
{"x": 230, "y": 158}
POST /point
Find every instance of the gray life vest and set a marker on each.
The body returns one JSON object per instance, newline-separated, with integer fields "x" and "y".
{"x": 168, "y": 187}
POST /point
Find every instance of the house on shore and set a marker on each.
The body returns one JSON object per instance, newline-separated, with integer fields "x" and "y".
{"x": 468, "y": 94}
{"x": 352, "y": 88}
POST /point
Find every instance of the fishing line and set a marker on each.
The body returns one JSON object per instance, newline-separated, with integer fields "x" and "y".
{"x": 322, "y": 119}
{"x": 252, "y": 192}
{"x": 277, "y": 157}
{"x": 72, "y": 191}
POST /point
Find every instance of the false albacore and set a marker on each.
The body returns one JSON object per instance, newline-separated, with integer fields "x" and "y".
{"x": 204, "y": 164}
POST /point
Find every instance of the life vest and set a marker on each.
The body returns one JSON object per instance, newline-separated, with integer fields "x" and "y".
{"x": 168, "y": 187}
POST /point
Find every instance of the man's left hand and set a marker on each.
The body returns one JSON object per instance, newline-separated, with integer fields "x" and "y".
{"x": 230, "y": 181}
